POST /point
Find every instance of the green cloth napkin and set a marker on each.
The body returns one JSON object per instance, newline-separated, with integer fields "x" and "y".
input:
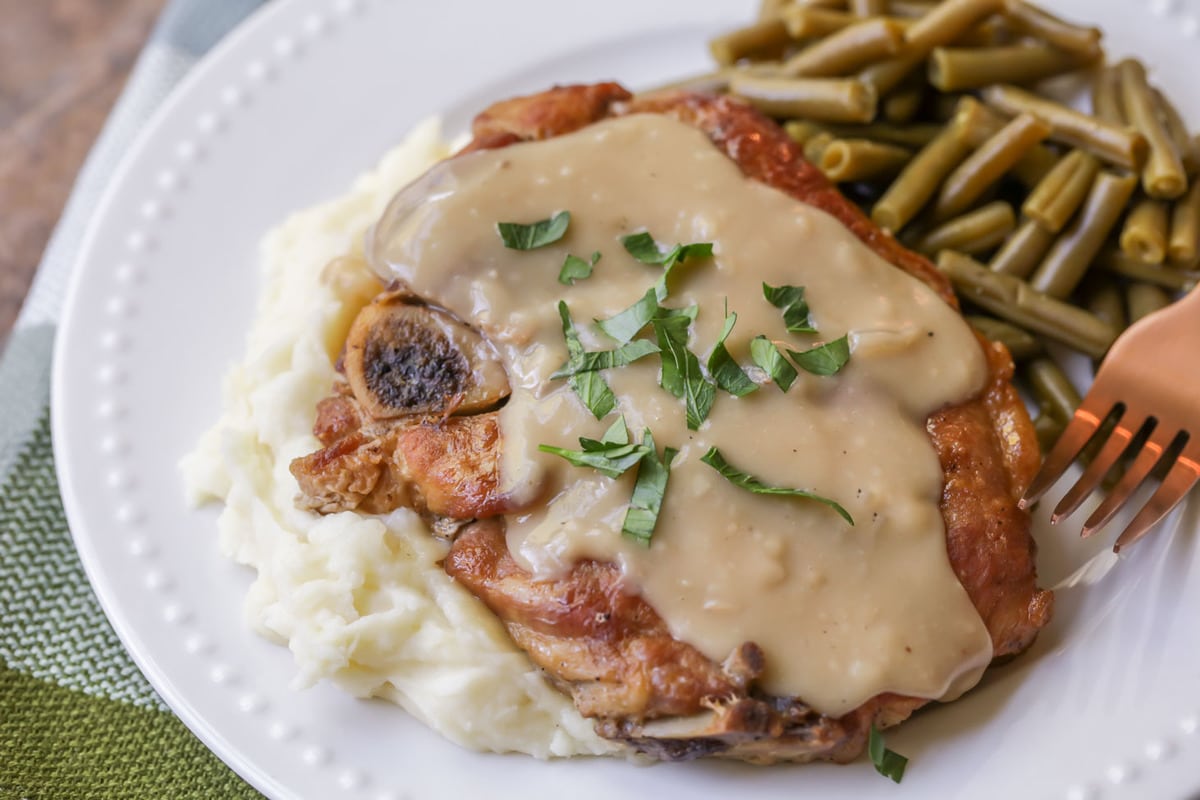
{"x": 77, "y": 718}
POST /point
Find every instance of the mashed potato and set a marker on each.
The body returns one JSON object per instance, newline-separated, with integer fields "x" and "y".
{"x": 359, "y": 600}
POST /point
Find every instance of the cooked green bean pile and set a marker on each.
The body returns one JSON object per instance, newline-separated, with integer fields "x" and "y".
{"x": 1060, "y": 224}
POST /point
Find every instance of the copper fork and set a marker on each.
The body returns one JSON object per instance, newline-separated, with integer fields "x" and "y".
{"x": 1149, "y": 384}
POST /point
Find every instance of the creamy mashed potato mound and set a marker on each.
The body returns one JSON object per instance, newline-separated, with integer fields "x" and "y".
{"x": 360, "y": 600}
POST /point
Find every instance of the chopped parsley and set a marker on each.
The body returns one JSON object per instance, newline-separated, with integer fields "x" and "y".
{"x": 629, "y": 323}
{"x": 824, "y": 359}
{"x": 643, "y": 247}
{"x": 606, "y": 359}
{"x": 767, "y": 355}
{"x": 648, "y": 492}
{"x": 752, "y": 484}
{"x": 888, "y": 763}
{"x": 790, "y": 300}
{"x": 612, "y": 455}
{"x": 681, "y": 374}
{"x": 575, "y": 268}
{"x": 724, "y": 370}
{"x": 517, "y": 236}
{"x": 589, "y": 385}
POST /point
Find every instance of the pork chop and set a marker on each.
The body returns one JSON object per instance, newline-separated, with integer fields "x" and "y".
{"x": 436, "y": 452}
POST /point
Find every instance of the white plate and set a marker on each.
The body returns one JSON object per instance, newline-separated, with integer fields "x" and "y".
{"x": 283, "y": 114}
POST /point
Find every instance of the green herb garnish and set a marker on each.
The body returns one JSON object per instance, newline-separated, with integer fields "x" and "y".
{"x": 575, "y": 268}
{"x": 724, "y": 370}
{"x": 517, "y": 236}
{"x": 888, "y": 763}
{"x": 767, "y": 355}
{"x": 606, "y": 359}
{"x": 629, "y": 323}
{"x": 648, "y": 492}
{"x": 790, "y": 300}
{"x": 681, "y": 375}
{"x": 752, "y": 484}
{"x": 825, "y": 359}
{"x": 612, "y": 455}
{"x": 590, "y": 386}
{"x": 643, "y": 247}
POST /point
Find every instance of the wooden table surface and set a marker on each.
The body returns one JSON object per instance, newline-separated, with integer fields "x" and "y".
{"x": 62, "y": 65}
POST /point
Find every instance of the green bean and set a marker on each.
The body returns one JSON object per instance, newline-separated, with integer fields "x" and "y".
{"x": 869, "y": 8}
{"x": 903, "y": 104}
{"x": 980, "y": 123}
{"x": 1119, "y": 145}
{"x": 1057, "y": 196}
{"x": 1145, "y": 299}
{"x": 919, "y": 180}
{"x": 1070, "y": 256}
{"x": 988, "y": 164}
{"x": 714, "y": 82}
{"x": 1023, "y": 251}
{"x": 845, "y": 160}
{"x": 886, "y": 75}
{"x": 1052, "y": 388}
{"x": 1106, "y": 97}
{"x": 801, "y": 130}
{"x": 1014, "y": 300}
{"x": 947, "y": 21}
{"x": 952, "y": 69}
{"x": 976, "y": 232}
{"x": 1104, "y": 299}
{"x": 813, "y": 23}
{"x": 1144, "y": 235}
{"x": 1168, "y": 277}
{"x": 1189, "y": 148}
{"x": 822, "y": 99}
{"x": 841, "y": 52}
{"x": 764, "y": 38}
{"x": 814, "y": 148}
{"x": 1021, "y": 343}
{"x": 1184, "y": 243}
{"x": 916, "y": 135}
{"x": 1162, "y": 175}
{"x": 911, "y": 8}
{"x": 1077, "y": 39}
{"x": 1047, "y": 429}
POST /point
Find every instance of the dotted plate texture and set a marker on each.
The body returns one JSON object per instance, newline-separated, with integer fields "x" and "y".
{"x": 308, "y": 94}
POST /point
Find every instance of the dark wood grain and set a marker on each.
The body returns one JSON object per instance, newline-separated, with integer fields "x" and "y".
{"x": 62, "y": 65}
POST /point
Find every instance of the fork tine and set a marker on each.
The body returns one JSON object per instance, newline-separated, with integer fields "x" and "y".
{"x": 1114, "y": 446}
{"x": 1078, "y": 431}
{"x": 1177, "y": 483}
{"x": 1146, "y": 459}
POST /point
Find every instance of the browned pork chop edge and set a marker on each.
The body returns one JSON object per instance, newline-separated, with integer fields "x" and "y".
{"x": 611, "y": 650}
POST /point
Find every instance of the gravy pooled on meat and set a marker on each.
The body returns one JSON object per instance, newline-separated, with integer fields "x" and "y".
{"x": 842, "y": 613}
{"x": 756, "y": 626}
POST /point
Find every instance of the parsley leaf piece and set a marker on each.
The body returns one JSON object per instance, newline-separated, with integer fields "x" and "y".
{"x": 824, "y": 359}
{"x": 752, "y": 484}
{"x": 606, "y": 359}
{"x": 648, "y": 492}
{"x": 790, "y": 300}
{"x": 617, "y": 434}
{"x": 589, "y": 386}
{"x": 611, "y": 459}
{"x": 724, "y": 370}
{"x": 575, "y": 268}
{"x": 888, "y": 763}
{"x": 517, "y": 236}
{"x": 767, "y": 355}
{"x": 629, "y": 323}
{"x": 643, "y": 247}
{"x": 681, "y": 375}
